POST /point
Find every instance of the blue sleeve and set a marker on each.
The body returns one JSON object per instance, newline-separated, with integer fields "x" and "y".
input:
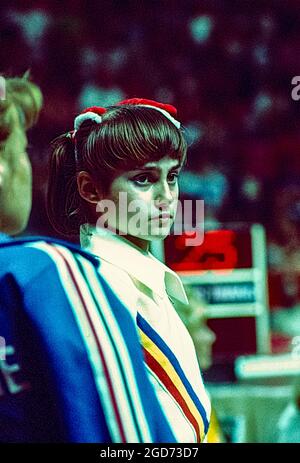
{"x": 47, "y": 387}
{"x": 52, "y": 397}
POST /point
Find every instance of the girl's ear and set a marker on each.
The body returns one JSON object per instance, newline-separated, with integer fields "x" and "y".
{"x": 87, "y": 188}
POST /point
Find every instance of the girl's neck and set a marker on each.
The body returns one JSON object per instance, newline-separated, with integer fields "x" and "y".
{"x": 139, "y": 242}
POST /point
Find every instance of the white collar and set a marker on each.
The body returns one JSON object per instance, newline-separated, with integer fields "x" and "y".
{"x": 141, "y": 265}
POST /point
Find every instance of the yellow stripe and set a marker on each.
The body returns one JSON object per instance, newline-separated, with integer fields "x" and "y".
{"x": 165, "y": 363}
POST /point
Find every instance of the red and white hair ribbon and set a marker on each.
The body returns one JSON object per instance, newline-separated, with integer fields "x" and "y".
{"x": 95, "y": 113}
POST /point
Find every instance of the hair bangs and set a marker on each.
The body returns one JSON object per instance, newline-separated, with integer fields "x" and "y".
{"x": 133, "y": 136}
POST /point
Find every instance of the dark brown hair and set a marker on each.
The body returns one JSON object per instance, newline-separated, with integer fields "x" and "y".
{"x": 128, "y": 137}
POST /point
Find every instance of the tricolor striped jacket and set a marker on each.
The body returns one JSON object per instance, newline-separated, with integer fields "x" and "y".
{"x": 71, "y": 364}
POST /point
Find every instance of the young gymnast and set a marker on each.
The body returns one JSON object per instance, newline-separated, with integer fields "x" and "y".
{"x": 114, "y": 181}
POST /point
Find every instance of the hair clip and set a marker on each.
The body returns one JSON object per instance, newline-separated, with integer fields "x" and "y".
{"x": 93, "y": 113}
{"x": 167, "y": 110}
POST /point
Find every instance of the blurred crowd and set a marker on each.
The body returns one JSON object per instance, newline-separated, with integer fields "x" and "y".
{"x": 226, "y": 65}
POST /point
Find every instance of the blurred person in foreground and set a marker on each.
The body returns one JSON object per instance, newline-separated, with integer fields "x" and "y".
{"x": 71, "y": 366}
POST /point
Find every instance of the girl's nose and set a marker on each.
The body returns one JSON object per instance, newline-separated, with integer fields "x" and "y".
{"x": 164, "y": 195}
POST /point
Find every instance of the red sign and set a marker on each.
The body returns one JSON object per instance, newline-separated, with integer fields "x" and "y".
{"x": 220, "y": 250}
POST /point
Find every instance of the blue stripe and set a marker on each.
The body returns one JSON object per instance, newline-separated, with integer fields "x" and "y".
{"x": 158, "y": 341}
{"x": 158, "y": 424}
{"x": 112, "y": 341}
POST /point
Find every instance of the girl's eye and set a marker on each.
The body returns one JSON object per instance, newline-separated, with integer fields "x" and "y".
{"x": 147, "y": 179}
{"x": 143, "y": 180}
{"x": 173, "y": 177}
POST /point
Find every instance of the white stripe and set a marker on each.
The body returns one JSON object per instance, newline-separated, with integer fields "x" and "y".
{"x": 165, "y": 113}
{"x": 122, "y": 349}
{"x": 163, "y": 404}
{"x": 88, "y": 339}
{"x": 89, "y": 115}
{"x": 109, "y": 353}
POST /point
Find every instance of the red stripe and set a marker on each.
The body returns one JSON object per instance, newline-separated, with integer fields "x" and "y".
{"x": 98, "y": 345}
{"x": 155, "y": 366}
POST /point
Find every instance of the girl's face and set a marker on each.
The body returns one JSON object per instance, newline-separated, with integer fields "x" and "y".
{"x": 145, "y": 201}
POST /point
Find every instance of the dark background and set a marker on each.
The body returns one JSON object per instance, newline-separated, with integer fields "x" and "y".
{"x": 226, "y": 65}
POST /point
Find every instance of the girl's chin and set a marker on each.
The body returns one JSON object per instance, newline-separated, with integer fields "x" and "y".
{"x": 157, "y": 236}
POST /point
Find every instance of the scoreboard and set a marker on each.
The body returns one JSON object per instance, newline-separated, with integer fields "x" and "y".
{"x": 229, "y": 270}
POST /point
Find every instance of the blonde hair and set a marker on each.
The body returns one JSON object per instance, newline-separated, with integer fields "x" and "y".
{"x": 21, "y": 106}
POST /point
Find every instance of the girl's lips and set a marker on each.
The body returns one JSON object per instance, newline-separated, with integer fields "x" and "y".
{"x": 163, "y": 216}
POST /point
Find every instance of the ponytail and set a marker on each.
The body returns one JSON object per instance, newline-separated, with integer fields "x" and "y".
{"x": 63, "y": 199}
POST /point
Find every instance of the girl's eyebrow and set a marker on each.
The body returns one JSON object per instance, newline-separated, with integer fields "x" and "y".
{"x": 153, "y": 168}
